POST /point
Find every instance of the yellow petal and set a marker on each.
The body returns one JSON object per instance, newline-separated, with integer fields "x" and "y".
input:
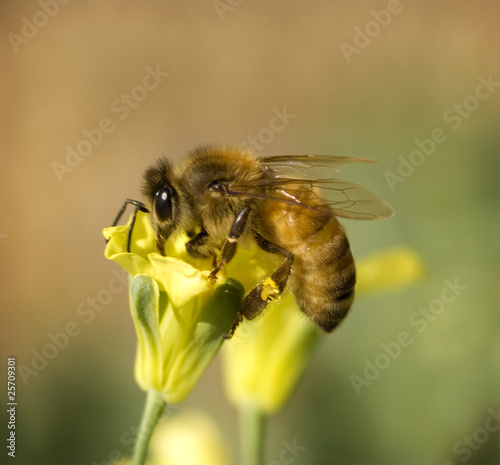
{"x": 143, "y": 239}
{"x": 179, "y": 279}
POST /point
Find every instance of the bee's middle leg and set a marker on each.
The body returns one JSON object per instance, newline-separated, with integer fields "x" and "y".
{"x": 229, "y": 249}
{"x": 258, "y": 298}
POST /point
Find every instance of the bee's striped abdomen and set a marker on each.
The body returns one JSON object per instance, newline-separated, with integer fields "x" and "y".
{"x": 323, "y": 276}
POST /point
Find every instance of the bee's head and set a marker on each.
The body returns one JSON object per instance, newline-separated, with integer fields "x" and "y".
{"x": 162, "y": 200}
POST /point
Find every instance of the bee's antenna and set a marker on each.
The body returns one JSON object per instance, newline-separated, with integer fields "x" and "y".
{"x": 138, "y": 206}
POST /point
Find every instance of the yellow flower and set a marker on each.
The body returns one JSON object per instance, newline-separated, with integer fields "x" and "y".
{"x": 189, "y": 438}
{"x": 267, "y": 356}
{"x": 389, "y": 269}
{"x": 179, "y": 316}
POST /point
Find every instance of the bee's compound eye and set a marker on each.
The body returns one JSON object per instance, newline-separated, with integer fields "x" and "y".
{"x": 163, "y": 203}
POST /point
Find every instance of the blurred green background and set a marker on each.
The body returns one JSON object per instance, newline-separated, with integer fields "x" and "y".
{"x": 229, "y": 69}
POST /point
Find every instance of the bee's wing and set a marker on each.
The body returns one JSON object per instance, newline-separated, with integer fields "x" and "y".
{"x": 342, "y": 198}
{"x": 350, "y": 200}
{"x": 307, "y": 166}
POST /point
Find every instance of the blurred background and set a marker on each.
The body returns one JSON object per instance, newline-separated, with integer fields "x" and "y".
{"x": 81, "y": 120}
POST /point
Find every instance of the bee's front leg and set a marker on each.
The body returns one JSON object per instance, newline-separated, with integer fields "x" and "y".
{"x": 139, "y": 206}
{"x": 199, "y": 246}
{"x": 229, "y": 249}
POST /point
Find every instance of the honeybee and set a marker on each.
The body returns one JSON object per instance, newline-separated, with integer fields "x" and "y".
{"x": 223, "y": 195}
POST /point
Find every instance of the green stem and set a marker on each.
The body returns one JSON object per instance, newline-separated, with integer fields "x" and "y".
{"x": 155, "y": 403}
{"x": 252, "y": 422}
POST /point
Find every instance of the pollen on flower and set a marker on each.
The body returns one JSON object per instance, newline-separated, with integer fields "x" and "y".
{"x": 270, "y": 291}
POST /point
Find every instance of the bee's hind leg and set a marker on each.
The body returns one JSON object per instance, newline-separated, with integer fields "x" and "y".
{"x": 268, "y": 290}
